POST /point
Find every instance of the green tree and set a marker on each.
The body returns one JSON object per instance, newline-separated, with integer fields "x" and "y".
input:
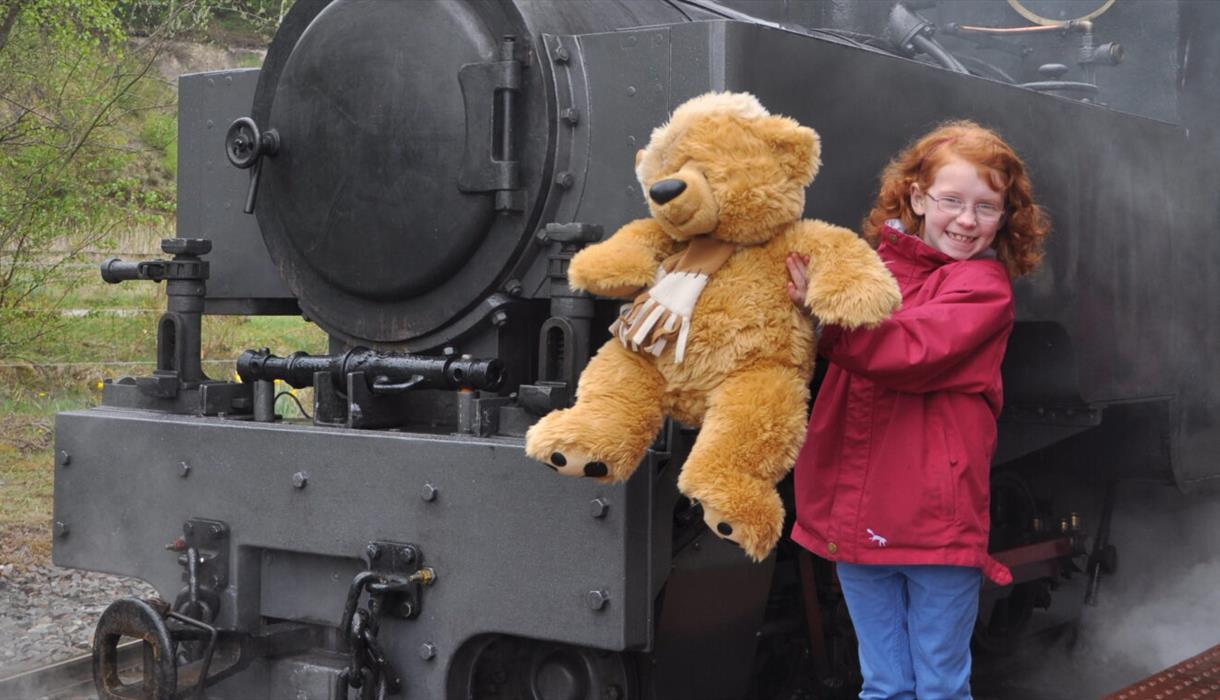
{"x": 72, "y": 91}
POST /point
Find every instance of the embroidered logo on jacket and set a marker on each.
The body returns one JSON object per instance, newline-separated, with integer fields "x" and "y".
{"x": 875, "y": 538}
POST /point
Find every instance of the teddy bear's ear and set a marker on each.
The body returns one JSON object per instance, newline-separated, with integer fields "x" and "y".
{"x": 797, "y": 147}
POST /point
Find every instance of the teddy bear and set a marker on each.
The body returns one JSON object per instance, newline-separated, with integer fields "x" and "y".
{"x": 711, "y": 337}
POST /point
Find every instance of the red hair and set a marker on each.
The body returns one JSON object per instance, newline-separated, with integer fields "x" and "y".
{"x": 1018, "y": 242}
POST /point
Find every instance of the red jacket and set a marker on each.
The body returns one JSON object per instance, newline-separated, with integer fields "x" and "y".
{"x": 896, "y": 464}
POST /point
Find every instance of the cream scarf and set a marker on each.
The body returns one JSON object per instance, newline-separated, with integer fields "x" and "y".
{"x": 662, "y": 314}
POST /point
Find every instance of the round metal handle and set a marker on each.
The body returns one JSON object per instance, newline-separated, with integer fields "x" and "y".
{"x": 132, "y": 617}
{"x": 242, "y": 143}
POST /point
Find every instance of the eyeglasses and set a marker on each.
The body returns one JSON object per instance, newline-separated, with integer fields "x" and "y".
{"x": 984, "y": 212}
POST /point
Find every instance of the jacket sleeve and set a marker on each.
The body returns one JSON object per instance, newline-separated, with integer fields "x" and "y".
{"x": 952, "y": 342}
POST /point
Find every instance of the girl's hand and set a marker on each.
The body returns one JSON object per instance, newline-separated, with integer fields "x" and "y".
{"x": 798, "y": 285}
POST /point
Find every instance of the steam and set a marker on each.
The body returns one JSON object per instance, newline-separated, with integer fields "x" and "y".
{"x": 1160, "y": 608}
{"x": 1163, "y": 604}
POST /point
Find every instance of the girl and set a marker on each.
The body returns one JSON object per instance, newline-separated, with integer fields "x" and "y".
{"x": 892, "y": 481}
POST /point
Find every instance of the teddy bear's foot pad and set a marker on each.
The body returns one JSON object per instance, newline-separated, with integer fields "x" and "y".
{"x": 718, "y": 522}
{"x": 572, "y": 464}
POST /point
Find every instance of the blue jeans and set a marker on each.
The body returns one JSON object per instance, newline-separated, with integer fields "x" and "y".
{"x": 914, "y": 625}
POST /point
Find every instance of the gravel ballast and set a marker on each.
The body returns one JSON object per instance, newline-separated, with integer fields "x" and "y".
{"x": 48, "y": 613}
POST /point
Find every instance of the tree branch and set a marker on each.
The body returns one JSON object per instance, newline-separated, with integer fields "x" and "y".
{"x": 10, "y": 18}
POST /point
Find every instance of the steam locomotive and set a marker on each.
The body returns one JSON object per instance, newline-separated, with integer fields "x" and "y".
{"x": 413, "y": 177}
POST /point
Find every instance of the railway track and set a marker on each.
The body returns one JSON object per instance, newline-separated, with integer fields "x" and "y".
{"x": 67, "y": 680}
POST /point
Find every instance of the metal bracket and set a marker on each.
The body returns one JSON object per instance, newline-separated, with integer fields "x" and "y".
{"x": 210, "y": 539}
{"x": 398, "y": 566}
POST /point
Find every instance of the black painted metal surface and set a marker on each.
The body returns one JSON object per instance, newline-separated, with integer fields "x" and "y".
{"x": 515, "y": 549}
{"x": 211, "y": 194}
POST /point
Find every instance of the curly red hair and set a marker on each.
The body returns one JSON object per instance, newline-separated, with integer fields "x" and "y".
{"x": 1018, "y": 243}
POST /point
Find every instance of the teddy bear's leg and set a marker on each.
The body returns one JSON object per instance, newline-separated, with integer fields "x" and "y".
{"x": 753, "y": 429}
{"x": 616, "y": 416}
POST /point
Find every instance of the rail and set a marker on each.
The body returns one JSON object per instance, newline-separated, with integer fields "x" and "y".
{"x": 69, "y": 679}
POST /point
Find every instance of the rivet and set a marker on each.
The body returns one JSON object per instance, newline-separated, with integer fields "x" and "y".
{"x": 64, "y": 458}
{"x": 300, "y": 480}
{"x": 407, "y": 554}
{"x": 427, "y": 651}
{"x": 188, "y": 527}
{"x": 210, "y": 123}
{"x": 429, "y": 492}
{"x": 184, "y": 469}
{"x": 565, "y": 179}
{"x": 215, "y": 531}
{"x": 599, "y": 507}
{"x": 61, "y": 529}
{"x": 570, "y": 116}
{"x": 597, "y": 599}
{"x": 373, "y": 551}
{"x": 630, "y": 89}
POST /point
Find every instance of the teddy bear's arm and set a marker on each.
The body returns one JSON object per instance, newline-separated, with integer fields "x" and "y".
{"x": 624, "y": 264}
{"x": 849, "y": 285}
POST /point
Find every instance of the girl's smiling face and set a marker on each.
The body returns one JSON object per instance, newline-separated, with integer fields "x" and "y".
{"x": 963, "y": 235}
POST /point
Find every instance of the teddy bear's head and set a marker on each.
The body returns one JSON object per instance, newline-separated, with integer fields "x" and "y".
{"x": 723, "y": 165}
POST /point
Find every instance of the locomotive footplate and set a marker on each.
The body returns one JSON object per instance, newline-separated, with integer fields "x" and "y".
{"x": 1197, "y": 678}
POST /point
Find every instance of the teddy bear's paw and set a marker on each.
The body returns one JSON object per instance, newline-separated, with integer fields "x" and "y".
{"x": 574, "y": 462}
{"x": 752, "y": 522}
{"x": 551, "y": 442}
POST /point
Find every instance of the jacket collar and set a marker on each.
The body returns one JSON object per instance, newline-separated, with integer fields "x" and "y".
{"x": 913, "y": 249}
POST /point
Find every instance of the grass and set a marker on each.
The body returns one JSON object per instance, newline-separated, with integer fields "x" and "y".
{"x": 114, "y": 337}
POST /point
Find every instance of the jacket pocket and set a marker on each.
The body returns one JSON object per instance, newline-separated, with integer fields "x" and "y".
{"x": 943, "y": 465}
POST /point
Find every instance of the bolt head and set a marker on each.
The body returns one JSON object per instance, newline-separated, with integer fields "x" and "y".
{"x": 65, "y": 458}
{"x": 597, "y": 599}
{"x": 427, "y": 651}
{"x": 565, "y": 179}
{"x": 429, "y": 492}
{"x": 215, "y": 531}
{"x": 188, "y": 527}
{"x": 562, "y": 55}
{"x": 373, "y": 551}
{"x": 405, "y": 609}
{"x": 61, "y": 529}
{"x": 407, "y": 554}
{"x": 184, "y": 469}
{"x": 599, "y": 507}
{"x": 300, "y": 480}
{"x": 499, "y": 318}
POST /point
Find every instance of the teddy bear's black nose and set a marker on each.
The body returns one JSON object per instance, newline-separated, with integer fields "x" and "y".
{"x": 665, "y": 190}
